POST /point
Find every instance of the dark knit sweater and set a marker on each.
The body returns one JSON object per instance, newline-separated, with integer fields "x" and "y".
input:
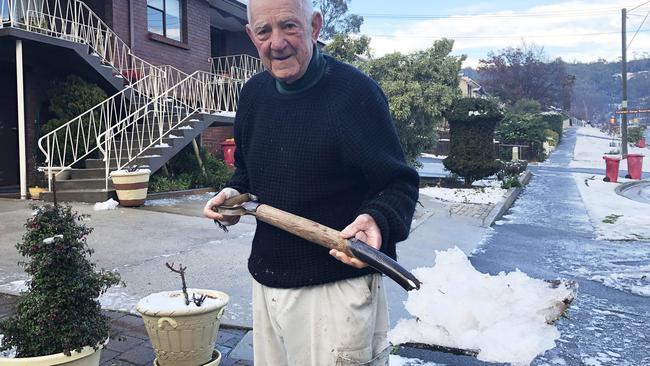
{"x": 329, "y": 153}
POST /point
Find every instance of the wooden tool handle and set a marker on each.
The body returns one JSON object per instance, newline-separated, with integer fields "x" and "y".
{"x": 304, "y": 228}
{"x": 237, "y": 200}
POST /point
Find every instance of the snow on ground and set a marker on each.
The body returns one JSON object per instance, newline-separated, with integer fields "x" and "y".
{"x": 613, "y": 216}
{"x": 591, "y": 146}
{"x": 483, "y": 192}
{"x": 396, "y": 360}
{"x": 110, "y": 204}
{"x": 433, "y": 156}
{"x": 504, "y": 317}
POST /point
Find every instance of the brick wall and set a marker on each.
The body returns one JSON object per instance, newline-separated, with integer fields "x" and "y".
{"x": 190, "y": 55}
{"x": 212, "y": 137}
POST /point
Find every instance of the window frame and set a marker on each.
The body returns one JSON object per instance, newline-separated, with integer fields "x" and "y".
{"x": 182, "y": 20}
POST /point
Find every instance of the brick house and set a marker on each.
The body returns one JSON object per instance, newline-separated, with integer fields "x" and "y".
{"x": 178, "y": 61}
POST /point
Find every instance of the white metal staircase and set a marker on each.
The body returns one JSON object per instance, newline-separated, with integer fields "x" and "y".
{"x": 159, "y": 111}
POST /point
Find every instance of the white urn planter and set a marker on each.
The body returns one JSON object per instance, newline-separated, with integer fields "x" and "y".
{"x": 183, "y": 335}
{"x": 131, "y": 186}
{"x": 88, "y": 356}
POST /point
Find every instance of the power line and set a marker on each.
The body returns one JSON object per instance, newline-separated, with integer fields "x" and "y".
{"x": 637, "y": 30}
{"x": 638, "y": 6}
{"x": 571, "y": 13}
{"x": 503, "y": 36}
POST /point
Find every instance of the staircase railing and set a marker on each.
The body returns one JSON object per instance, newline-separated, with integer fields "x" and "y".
{"x": 241, "y": 67}
{"x": 73, "y": 20}
{"x": 147, "y": 126}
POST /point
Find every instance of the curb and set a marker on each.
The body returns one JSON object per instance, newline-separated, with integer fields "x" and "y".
{"x": 513, "y": 193}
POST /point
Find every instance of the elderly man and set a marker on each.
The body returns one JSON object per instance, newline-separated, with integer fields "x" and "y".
{"x": 315, "y": 137}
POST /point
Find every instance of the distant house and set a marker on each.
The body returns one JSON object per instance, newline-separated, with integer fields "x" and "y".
{"x": 172, "y": 69}
{"x": 470, "y": 88}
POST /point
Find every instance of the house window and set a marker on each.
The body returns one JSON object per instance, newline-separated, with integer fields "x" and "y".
{"x": 164, "y": 17}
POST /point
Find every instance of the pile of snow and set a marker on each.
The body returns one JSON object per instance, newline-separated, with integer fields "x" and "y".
{"x": 111, "y": 204}
{"x": 613, "y": 216}
{"x": 504, "y": 317}
{"x": 185, "y": 128}
{"x": 490, "y": 194}
{"x": 164, "y": 144}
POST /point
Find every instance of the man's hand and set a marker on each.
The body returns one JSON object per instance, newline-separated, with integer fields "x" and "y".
{"x": 365, "y": 229}
{"x": 217, "y": 201}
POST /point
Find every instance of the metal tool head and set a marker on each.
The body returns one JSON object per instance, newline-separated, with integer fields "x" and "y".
{"x": 244, "y": 208}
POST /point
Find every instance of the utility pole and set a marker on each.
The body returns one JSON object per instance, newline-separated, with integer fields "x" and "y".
{"x": 624, "y": 77}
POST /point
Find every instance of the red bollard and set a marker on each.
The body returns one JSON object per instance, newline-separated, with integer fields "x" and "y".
{"x": 634, "y": 166}
{"x": 228, "y": 147}
{"x": 611, "y": 168}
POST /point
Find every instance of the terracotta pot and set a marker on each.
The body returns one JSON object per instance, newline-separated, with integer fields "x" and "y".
{"x": 182, "y": 335}
{"x": 35, "y": 192}
{"x": 131, "y": 187}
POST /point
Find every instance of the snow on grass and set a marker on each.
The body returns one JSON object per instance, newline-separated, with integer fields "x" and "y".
{"x": 504, "y": 317}
{"x": 591, "y": 146}
{"x": 110, "y": 204}
{"x": 484, "y": 192}
{"x": 613, "y": 216}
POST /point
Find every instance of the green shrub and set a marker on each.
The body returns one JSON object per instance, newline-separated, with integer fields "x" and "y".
{"x": 634, "y": 134}
{"x": 185, "y": 173}
{"x": 512, "y": 169}
{"x": 70, "y": 98}
{"x": 551, "y": 137}
{"x": 555, "y": 122}
{"x": 59, "y": 312}
{"x": 510, "y": 182}
{"x": 471, "y": 129}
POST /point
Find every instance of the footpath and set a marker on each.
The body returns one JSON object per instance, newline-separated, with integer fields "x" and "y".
{"x": 161, "y": 232}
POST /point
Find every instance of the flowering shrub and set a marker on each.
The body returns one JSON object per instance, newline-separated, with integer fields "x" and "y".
{"x": 59, "y": 312}
{"x": 509, "y": 173}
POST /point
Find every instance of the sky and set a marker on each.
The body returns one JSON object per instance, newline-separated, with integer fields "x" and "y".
{"x": 577, "y": 31}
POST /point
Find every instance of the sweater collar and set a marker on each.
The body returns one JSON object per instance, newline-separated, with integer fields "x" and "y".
{"x": 314, "y": 73}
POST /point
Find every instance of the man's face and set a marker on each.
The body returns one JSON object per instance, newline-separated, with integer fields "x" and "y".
{"x": 284, "y": 36}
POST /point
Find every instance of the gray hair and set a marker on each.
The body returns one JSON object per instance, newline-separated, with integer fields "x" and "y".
{"x": 306, "y": 6}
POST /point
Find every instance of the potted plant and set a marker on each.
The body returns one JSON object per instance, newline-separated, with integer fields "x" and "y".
{"x": 37, "y": 182}
{"x": 183, "y": 330}
{"x": 57, "y": 320}
{"x": 131, "y": 185}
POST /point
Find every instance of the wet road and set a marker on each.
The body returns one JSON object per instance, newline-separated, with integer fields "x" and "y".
{"x": 547, "y": 234}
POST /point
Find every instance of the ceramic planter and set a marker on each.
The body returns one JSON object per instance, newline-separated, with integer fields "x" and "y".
{"x": 87, "y": 357}
{"x": 183, "y": 335}
{"x": 131, "y": 187}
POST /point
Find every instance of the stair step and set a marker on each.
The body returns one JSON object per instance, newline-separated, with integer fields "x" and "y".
{"x": 87, "y": 173}
{"x": 81, "y": 184}
{"x": 99, "y": 163}
{"x": 81, "y": 195}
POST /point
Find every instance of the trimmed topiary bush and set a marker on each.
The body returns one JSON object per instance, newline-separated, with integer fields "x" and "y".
{"x": 471, "y": 129}
{"x": 59, "y": 312}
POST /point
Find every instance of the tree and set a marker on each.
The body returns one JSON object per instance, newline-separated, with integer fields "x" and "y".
{"x": 335, "y": 18}
{"x": 471, "y": 130}
{"x": 420, "y": 86}
{"x": 523, "y": 73}
{"x": 347, "y": 48}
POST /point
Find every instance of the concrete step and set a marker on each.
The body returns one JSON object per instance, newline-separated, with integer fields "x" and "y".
{"x": 99, "y": 163}
{"x": 82, "y": 184}
{"x": 81, "y": 195}
{"x": 87, "y": 173}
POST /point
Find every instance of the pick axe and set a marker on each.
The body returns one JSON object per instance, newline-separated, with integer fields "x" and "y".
{"x": 246, "y": 204}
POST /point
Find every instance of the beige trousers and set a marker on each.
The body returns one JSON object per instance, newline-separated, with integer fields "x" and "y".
{"x": 339, "y": 323}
